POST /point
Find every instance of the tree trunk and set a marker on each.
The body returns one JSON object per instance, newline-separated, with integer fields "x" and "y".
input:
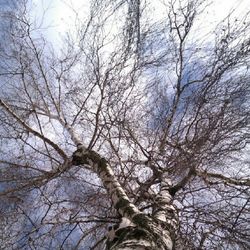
{"x": 137, "y": 230}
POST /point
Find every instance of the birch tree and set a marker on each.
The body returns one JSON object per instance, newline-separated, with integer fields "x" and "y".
{"x": 133, "y": 135}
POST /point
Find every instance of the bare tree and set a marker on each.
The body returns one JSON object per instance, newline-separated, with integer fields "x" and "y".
{"x": 133, "y": 135}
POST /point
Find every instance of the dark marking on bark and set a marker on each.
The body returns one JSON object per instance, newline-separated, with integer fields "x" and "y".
{"x": 127, "y": 233}
{"x": 81, "y": 157}
{"x": 122, "y": 203}
{"x": 129, "y": 211}
{"x": 141, "y": 220}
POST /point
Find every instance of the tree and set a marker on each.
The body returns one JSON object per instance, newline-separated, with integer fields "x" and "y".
{"x": 134, "y": 135}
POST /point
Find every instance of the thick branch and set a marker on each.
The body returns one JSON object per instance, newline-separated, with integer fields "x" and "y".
{"x": 224, "y": 179}
{"x": 32, "y": 131}
{"x": 165, "y": 211}
{"x": 99, "y": 165}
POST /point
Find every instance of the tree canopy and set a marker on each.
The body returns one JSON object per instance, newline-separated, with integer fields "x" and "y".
{"x": 139, "y": 121}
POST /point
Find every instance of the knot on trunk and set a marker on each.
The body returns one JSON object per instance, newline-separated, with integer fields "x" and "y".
{"x": 79, "y": 157}
{"x": 86, "y": 156}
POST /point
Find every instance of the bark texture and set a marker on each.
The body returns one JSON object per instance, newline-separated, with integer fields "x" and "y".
{"x": 140, "y": 231}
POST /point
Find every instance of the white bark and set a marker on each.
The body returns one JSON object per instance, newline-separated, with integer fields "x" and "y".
{"x": 165, "y": 210}
{"x": 143, "y": 232}
{"x": 140, "y": 231}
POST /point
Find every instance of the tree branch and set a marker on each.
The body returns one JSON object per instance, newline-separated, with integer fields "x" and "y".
{"x": 32, "y": 131}
{"x": 224, "y": 179}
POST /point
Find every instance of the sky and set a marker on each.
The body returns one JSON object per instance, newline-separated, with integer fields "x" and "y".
{"x": 60, "y": 14}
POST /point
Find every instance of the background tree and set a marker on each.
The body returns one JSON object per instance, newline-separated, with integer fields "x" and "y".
{"x": 139, "y": 122}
